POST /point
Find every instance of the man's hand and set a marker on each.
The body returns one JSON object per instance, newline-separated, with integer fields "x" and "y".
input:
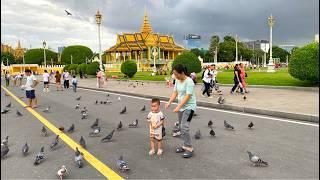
{"x": 176, "y": 109}
{"x": 240, "y": 85}
{"x": 167, "y": 105}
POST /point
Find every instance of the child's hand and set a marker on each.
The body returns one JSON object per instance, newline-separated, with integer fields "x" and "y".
{"x": 167, "y": 105}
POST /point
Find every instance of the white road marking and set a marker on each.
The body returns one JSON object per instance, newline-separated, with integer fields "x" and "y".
{"x": 219, "y": 110}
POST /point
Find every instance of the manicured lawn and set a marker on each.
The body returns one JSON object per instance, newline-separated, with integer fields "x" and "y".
{"x": 279, "y": 78}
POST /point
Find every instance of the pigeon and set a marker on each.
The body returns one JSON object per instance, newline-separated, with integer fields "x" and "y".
{"x": 95, "y": 132}
{"x": 78, "y": 98}
{"x": 4, "y": 150}
{"x": 68, "y": 13}
{"x": 5, "y": 111}
{"x": 221, "y": 100}
{"x": 77, "y": 106}
{"x": 227, "y": 125}
{"x": 119, "y": 126}
{"x": 5, "y": 141}
{"x": 108, "y": 137}
{"x": 84, "y": 115}
{"x": 62, "y": 172}
{"x": 134, "y": 86}
{"x": 71, "y": 129}
{"x": 47, "y": 109}
{"x": 124, "y": 110}
{"x": 101, "y": 102}
{"x": 119, "y": 98}
{"x": 25, "y": 149}
{"x": 105, "y": 102}
{"x": 95, "y": 124}
{"x": 144, "y": 108}
{"x": 61, "y": 128}
{"x": 8, "y": 105}
{"x": 134, "y": 124}
{"x": 122, "y": 165}
{"x": 55, "y": 143}
{"x": 176, "y": 124}
{"x": 82, "y": 142}
{"x": 108, "y": 95}
{"x": 210, "y": 123}
{"x": 40, "y": 157}
{"x": 212, "y": 133}
{"x": 256, "y": 160}
{"x": 250, "y": 125}
{"x": 198, "y": 134}
{"x": 78, "y": 157}
{"x": 96, "y": 102}
{"x": 18, "y": 113}
{"x": 84, "y": 110}
{"x": 44, "y": 131}
{"x": 244, "y": 97}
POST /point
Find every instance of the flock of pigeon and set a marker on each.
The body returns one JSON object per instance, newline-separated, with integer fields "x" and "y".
{"x": 96, "y": 132}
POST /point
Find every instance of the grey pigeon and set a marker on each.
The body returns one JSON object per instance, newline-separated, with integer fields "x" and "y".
{"x": 82, "y": 142}
{"x": 122, "y": 165}
{"x": 95, "y": 132}
{"x": 18, "y": 113}
{"x": 212, "y": 133}
{"x": 44, "y": 131}
{"x": 198, "y": 134}
{"x": 47, "y": 109}
{"x": 210, "y": 123}
{"x": 95, "y": 124}
{"x": 5, "y": 111}
{"x": 119, "y": 126}
{"x": 256, "y": 160}
{"x": 176, "y": 124}
{"x": 134, "y": 124}
{"x": 124, "y": 110}
{"x": 55, "y": 143}
{"x": 77, "y": 106}
{"x": 143, "y": 108}
{"x": 108, "y": 95}
{"x": 96, "y": 102}
{"x": 78, "y": 158}
{"x": 78, "y": 98}
{"x": 5, "y": 141}
{"x": 84, "y": 110}
{"x": 244, "y": 97}
{"x": 250, "y": 125}
{"x": 221, "y": 100}
{"x": 84, "y": 115}
{"x": 4, "y": 150}
{"x": 71, "y": 129}
{"x": 108, "y": 137}
{"x": 25, "y": 149}
{"x": 40, "y": 157}
{"x": 227, "y": 125}
{"x": 101, "y": 102}
{"x": 8, "y": 105}
{"x": 195, "y": 115}
{"x": 6, "y": 94}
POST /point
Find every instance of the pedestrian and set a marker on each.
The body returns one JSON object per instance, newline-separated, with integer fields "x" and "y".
{"x": 99, "y": 78}
{"x": 19, "y": 79}
{"x": 193, "y": 76}
{"x": 184, "y": 90}
{"x": 156, "y": 125}
{"x": 30, "y": 85}
{"x": 81, "y": 74}
{"x": 236, "y": 79}
{"x": 74, "y": 82}
{"x": 58, "y": 81}
{"x": 46, "y": 80}
{"x": 65, "y": 76}
{"x": 173, "y": 79}
{"x": 206, "y": 79}
{"x": 7, "y": 78}
{"x": 243, "y": 76}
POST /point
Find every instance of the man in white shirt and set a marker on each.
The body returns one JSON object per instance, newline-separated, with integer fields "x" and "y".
{"x": 207, "y": 77}
{"x": 29, "y": 86}
{"x": 65, "y": 76}
{"x": 46, "y": 80}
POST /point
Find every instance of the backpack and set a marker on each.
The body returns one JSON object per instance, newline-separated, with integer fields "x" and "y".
{"x": 203, "y": 74}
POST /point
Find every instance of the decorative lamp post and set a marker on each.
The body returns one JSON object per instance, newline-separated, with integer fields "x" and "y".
{"x": 154, "y": 54}
{"x": 237, "y": 39}
{"x": 139, "y": 52}
{"x": 271, "y": 21}
{"x": 98, "y": 20}
{"x": 44, "y": 53}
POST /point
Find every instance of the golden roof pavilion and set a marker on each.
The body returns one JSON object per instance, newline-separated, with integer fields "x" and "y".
{"x": 138, "y": 46}
{"x": 18, "y": 52}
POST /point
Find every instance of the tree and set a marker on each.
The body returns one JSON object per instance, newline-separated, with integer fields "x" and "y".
{"x": 227, "y": 51}
{"x": 129, "y": 68}
{"x": 304, "y": 63}
{"x": 214, "y": 46}
{"x": 79, "y": 54}
{"x": 207, "y": 57}
{"x": 7, "y": 56}
{"x": 92, "y": 68}
{"x": 35, "y": 56}
{"x": 278, "y": 52}
{"x": 197, "y": 52}
{"x": 229, "y": 38}
{"x": 82, "y": 67}
{"x": 293, "y": 49}
{"x": 189, "y": 60}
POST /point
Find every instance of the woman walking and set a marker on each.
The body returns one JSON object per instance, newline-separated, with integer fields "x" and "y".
{"x": 243, "y": 76}
{"x": 236, "y": 79}
{"x": 58, "y": 81}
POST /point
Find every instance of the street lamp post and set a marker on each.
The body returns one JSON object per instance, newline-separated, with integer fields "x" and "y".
{"x": 44, "y": 53}
{"x": 236, "y": 48}
{"x": 138, "y": 60}
{"x": 71, "y": 59}
{"x": 98, "y": 20}
{"x": 271, "y": 64}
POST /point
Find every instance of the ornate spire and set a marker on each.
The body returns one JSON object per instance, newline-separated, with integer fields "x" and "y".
{"x": 146, "y": 28}
{"x": 19, "y": 46}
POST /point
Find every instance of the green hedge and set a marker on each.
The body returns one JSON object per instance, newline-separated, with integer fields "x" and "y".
{"x": 35, "y": 56}
{"x": 82, "y": 67}
{"x": 79, "y": 54}
{"x": 73, "y": 69}
{"x": 129, "y": 68}
{"x": 304, "y": 63}
{"x": 189, "y": 60}
{"x": 92, "y": 68}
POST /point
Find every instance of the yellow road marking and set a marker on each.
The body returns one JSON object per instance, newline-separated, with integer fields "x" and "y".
{"x": 101, "y": 167}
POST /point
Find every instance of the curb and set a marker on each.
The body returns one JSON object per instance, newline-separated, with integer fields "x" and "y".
{"x": 300, "y": 117}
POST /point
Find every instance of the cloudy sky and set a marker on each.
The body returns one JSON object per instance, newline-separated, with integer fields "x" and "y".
{"x": 33, "y": 21}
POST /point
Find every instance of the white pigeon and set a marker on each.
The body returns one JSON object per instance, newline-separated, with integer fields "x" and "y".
{"x": 62, "y": 172}
{"x": 119, "y": 98}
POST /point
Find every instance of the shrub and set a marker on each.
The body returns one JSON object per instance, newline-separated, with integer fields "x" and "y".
{"x": 304, "y": 63}
{"x": 129, "y": 68}
{"x": 189, "y": 60}
{"x": 66, "y": 67}
{"x": 92, "y": 68}
{"x": 79, "y": 54}
{"x": 82, "y": 67}
{"x": 73, "y": 69}
{"x": 35, "y": 56}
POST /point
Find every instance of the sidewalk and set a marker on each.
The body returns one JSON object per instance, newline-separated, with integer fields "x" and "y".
{"x": 285, "y": 103}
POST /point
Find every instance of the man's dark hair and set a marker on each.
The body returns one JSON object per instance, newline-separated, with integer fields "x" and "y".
{"x": 27, "y": 70}
{"x": 45, "y": 70}
{"x": 74, "y": 76}
{"x": 213, "y": 65}
{"x": 155, "y": 100}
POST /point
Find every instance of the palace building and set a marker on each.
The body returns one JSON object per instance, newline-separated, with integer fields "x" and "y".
{"x": 18, "y": 52}
{"x": 139, "y": 46}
